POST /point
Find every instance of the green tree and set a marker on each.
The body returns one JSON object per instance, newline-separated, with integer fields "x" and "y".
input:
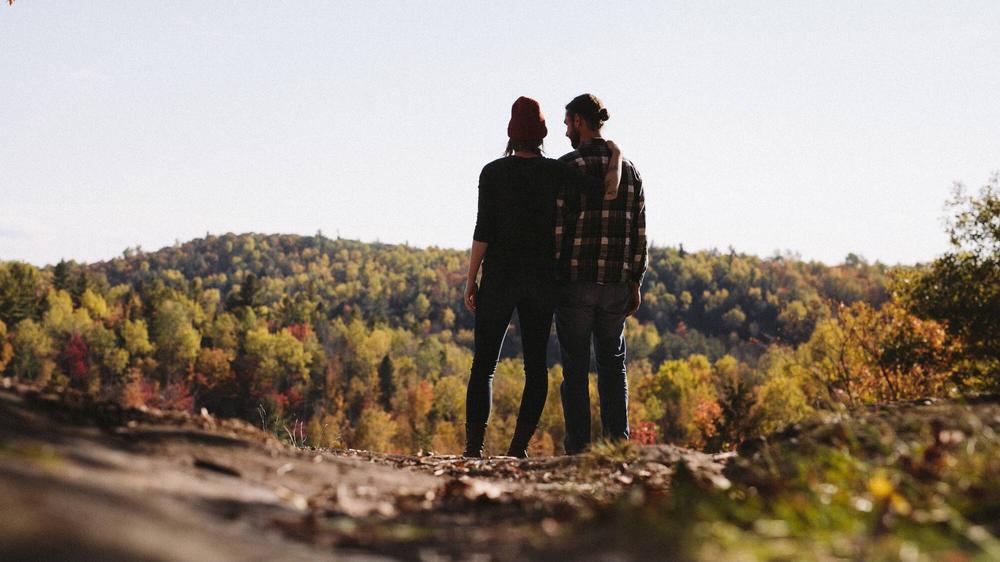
{"x": 6, "y": 349}
{"x": 223, "y": 333}
{"x": 962, "y": 287}
{"x": 386, "y": 382}
{"x": 250, "y": 292}
{"x": 781, "y": 399}
{"x": 735, "y": 384}
{"x": 21, "y": 293}
{"x": 281, "y": 360}
{"x": 61, "y": 274}
{"x": 177, "y": 342}
{"x": 32, "y": 351}
{"x": 690, "y": 399}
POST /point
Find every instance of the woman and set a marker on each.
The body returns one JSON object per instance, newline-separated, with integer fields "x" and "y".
{"x": 514, "y": 241}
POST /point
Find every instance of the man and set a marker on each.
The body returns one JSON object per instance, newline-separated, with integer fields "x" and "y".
{"x": 601, "y": 255}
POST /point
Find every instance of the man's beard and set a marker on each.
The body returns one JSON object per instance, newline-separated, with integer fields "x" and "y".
{"x": 574, "y": 139}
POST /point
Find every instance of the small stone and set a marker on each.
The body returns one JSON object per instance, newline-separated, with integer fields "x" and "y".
{"x": 296, "y": 500}
{"x": 550, "y": 526}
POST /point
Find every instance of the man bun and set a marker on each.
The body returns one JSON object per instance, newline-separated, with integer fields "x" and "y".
{"x": 590, "y": 108}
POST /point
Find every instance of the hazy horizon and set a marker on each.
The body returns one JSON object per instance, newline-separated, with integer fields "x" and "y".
{"x": 817, "y": 129}
{"x": 339, "y": 236}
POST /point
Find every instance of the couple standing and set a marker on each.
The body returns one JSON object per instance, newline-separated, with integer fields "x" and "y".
{"x": 562, "y": 236}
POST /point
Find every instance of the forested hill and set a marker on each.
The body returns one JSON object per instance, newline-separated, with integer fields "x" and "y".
{"x": 712, "y": 302}
{"x": 344, "y": 343}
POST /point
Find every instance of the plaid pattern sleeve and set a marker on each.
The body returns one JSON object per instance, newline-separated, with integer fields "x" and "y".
{"x": 597, "y": 240}
{"x": 637, "y": 234}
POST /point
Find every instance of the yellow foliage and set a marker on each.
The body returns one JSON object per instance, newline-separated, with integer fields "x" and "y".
{"x": 447, "y": 439}
{"x": 374, "y": 431}
{"x": 95, "y": 304}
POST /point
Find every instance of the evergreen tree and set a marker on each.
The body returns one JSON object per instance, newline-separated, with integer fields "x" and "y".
{"x": 386, "y": 382}
{"x": 61, "y": 275}
{"x": 21, "y": 293}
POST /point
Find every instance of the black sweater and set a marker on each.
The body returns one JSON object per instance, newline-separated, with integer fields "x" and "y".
{"x": 517, "y": 207}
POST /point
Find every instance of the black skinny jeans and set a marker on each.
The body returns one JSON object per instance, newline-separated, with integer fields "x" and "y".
{"x": 495, "y": 303}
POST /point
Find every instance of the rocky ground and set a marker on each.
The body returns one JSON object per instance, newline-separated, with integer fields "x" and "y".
{"x": 84, "y": 481}
{"x": 87, "y": 481}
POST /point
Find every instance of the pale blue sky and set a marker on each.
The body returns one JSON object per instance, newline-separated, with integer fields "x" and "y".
{"x": 821, "y": 128}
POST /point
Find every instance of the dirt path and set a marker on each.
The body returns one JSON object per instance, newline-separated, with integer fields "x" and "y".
{"x": 80, "y": 481}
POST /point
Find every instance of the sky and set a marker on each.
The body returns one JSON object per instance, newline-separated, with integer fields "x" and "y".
{"x": 814, "y": 128}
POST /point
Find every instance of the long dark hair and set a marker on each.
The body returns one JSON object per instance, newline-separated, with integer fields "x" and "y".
{"x": 527, "y": 146}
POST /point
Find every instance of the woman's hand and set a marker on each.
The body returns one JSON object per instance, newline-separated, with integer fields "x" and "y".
{"x": 614, "y": 175}
{"x": 475, "y": 260}
{"x": 470, "y": 295}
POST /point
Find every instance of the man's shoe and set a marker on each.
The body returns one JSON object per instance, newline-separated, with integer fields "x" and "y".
{"x": 474, "y": 435}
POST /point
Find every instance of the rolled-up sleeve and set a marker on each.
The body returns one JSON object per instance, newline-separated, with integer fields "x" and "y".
{"x": 486, "y": 214}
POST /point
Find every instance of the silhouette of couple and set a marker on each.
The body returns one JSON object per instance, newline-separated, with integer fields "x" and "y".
{"x": 564, "y": 237}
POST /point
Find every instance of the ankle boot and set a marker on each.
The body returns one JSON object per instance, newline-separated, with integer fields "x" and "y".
{"x": 474, "y": 435}
{"x": 519, "y": 443}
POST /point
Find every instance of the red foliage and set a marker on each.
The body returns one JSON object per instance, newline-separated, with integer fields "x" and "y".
{"x": 279, "y": 400}
{"x": 176, "y": 396}
{"x": 293, "y": 401}
{"x": 645, "y": 433}
{"x": 75, "y": 359}
{"x": 300, "y": 331}
{"x": 149, "y": 392}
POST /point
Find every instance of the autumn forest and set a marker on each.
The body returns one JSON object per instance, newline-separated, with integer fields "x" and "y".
{"x": 338, "y": 343}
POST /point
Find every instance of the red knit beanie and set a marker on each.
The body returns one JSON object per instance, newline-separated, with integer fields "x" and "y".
{"x": 526, "y": 121}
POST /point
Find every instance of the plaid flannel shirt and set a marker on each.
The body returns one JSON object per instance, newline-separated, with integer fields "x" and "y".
{"x": 597, "y": 240}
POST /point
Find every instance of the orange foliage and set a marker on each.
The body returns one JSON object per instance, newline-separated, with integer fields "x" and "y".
{"x": 889, "y": 354}
{"x": 645, "y": 433}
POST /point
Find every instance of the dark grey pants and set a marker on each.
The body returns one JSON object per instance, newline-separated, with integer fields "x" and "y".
{"x": 586, "y": 310}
